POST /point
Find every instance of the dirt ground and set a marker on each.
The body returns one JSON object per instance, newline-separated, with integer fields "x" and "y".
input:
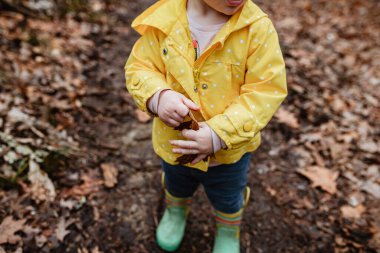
{"x": 331, "y": 120}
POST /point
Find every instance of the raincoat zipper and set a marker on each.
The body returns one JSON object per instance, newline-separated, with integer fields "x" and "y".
{"x": 196, "y": 48}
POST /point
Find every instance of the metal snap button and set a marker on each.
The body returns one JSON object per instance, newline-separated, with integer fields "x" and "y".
{"x": 247, "y": 127}
{"x": 204, "y": 86}
{"x": 165, "y": 51}
{"x": 195, "y": 89}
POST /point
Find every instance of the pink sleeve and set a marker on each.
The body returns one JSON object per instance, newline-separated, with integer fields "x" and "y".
{"x": 217, "y": 142}
{"x": 153, "y": 101}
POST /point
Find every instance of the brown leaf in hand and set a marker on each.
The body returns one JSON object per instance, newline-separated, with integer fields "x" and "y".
{"x": 193, "y": 124}
{"x": 184, "y": 125}
{"x": 183, "y": 159}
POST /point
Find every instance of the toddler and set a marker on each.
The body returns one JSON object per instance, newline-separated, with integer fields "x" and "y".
{"x": 221, "y": 61}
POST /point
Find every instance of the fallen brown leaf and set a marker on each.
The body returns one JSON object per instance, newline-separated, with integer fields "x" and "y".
{"x": 8, "y": 228}
{"x": 40, "y": 240}
{"x": 369, "y": 146}
{"x": 110, "y": 174}
{"x": 372, "y": 188}
{"x": 375, "y": 240}
{"x": 42, "y": 188}
{"x": 322, "y": 177}
{"x": 350, "y": 212}
{"x": 142, "y": 117}
{"x": 91, "y": 184}
{"x": 60, "y": 230}
{"x": 287, "y": 118}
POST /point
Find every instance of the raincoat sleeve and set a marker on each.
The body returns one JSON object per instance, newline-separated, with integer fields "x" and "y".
{"x": 145, "y": 70}
{"x": 261, "y": 94}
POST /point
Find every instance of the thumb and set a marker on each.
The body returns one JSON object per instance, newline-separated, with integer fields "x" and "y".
{"x": 190, "y": 104}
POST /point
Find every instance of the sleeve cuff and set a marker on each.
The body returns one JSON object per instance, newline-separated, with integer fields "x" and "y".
{"x": 154, "y": 100}
{"x": 217, "y": 142}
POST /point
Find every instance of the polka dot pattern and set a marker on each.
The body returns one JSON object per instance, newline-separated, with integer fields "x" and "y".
{"x": 238, "y": 91}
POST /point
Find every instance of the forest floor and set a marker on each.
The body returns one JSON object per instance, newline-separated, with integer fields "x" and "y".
{"x": 64, "y": 110}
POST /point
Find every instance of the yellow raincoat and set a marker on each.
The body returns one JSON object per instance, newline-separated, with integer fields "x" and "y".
{"x": 239, "y": 81}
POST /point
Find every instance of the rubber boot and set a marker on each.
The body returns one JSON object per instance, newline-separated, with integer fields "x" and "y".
{"x": 227, "y": 239}
{"x": 171, "y": 229}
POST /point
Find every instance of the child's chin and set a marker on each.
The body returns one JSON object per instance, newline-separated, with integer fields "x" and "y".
{"x": 229, "y": 11}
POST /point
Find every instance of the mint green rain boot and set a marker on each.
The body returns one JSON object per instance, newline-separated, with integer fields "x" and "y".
{"x": 227, "y": 239}
{"x": 171, "y": 229}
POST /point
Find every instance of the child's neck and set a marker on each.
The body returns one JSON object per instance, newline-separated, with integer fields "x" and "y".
{"x": 199, "y": 10}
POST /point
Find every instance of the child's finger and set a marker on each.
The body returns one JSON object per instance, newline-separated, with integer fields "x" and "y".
{"x": 176, "y": 117}
{"x": 172, "y": 123}
{"x": 185, "y": 151}
{"x": 199, "y": 158}
{"x": 182, "y": 110}
{"x": 184, "y": 144}
{"x": 190, "y": 104}
{"x": 189, "y": 134}
{"x": 202, "y": 124}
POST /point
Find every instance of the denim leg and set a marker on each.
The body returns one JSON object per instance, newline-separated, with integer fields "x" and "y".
{"x": 179, "y": 180}
{"x": 224, "y": 184}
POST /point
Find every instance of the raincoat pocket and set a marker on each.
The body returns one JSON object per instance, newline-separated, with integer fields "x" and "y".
{"x": 237, "y": 73}
{"x": 232, "y": 70}
{"x": 220, "y": 71}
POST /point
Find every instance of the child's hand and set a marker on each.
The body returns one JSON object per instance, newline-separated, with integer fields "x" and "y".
{"x": 199, "y": 142}
{"x": 173, "y": 107}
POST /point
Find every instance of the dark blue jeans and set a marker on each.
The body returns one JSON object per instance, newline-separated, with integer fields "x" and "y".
{"x": 224, "y": 184}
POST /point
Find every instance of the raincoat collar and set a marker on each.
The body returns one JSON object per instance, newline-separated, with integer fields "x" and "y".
{"x": 166, "y": 14}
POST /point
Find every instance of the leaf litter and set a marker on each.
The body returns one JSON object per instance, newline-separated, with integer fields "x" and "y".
{"x": 64, "y": 111}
